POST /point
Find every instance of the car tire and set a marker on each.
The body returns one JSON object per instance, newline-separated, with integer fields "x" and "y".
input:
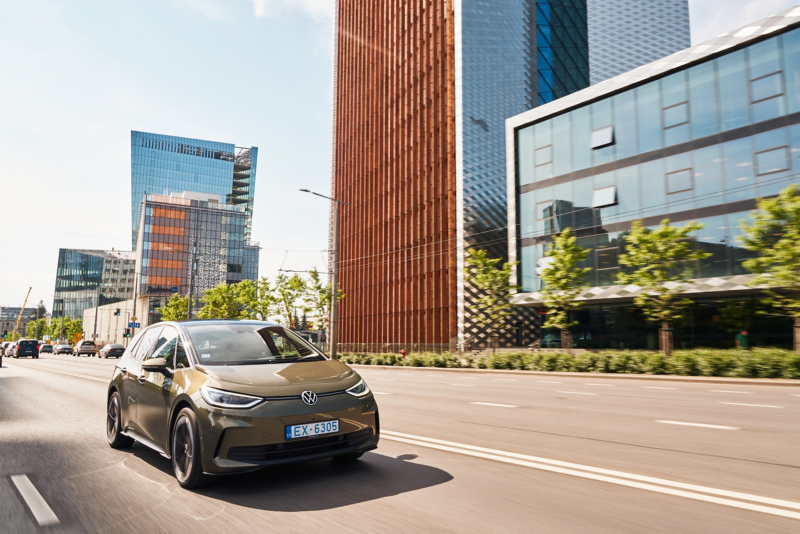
{"x": 116, "y": 439}
{"x": 186, "y": 452}
{"x": 345, "y": 458}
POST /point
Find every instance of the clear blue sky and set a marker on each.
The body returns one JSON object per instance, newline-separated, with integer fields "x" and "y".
{"x": 77, "y": 76}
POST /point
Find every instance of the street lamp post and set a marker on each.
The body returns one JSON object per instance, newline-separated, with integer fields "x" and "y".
{"x": 335, "y": 273}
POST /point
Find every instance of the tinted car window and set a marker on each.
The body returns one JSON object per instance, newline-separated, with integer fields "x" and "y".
{"x": 28, "y": 343}
{"x": 87, "y": 343}
{"x": 247, "y": 344}
{"x": 165, "y": 346}
{"x": 181, "y": 359}
{"x": 143, "y": 347}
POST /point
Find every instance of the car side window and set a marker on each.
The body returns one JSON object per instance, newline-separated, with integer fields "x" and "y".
{"x": 143, "y": 347}
{"x": 165, "y": 345}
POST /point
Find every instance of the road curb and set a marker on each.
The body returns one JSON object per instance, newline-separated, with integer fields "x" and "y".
{"x": 785, "y": 382}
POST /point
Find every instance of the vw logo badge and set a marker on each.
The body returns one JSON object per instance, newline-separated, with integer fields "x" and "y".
{"x": 309, "y": 397}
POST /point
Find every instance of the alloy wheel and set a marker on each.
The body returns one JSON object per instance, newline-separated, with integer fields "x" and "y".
{"x": 183, "y": 448}
{"x": 112, "y": 419}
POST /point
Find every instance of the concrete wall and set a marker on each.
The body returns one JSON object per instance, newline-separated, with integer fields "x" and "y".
{"x": 110, "y": 327}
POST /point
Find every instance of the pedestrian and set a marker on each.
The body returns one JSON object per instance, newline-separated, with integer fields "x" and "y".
{"x": 741, "y": 340}
{"x": 403, "y": 354}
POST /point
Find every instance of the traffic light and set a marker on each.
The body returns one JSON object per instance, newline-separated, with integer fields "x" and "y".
{"x": 5, "y": 334}
{"x": 127, "y": 333}
{"x": 116, "y": 312}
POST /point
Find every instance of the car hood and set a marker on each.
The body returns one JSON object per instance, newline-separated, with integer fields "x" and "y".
{"x": 281, "y": 380}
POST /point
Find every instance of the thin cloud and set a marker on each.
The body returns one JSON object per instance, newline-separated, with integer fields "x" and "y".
{"x": 316, "y": 9}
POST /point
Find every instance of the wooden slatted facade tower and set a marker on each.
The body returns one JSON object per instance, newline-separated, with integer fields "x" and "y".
{"x": 394, "y": 163}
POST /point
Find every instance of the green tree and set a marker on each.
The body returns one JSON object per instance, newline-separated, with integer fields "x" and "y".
{"x": 36, "y": 329}
{"x": 661, "y": 263}
{"x": 318, "y": 299}
{"x": 563, "y": 281}
{"x": 256, "y": 298}
{"x": 291, "y": 293}
{"x": 176, "y": 308}
{"x": 737, "y": 316}
{"x": 72, "y": 327}
{"x": 220, "y": 302}
{"x": 493, "y": 284}
{"x": 774, "y": 233}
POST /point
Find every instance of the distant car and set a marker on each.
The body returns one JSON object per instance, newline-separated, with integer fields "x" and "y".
{"x": 10, "y": 349}
{"x": 3, "y": 346}
{"x": 111, "y": 350}
{"x": 26, "y": 348}
{"x": 46, "y": 348}
{"x": 62, "y": 349}
{"x": 84, "y": 347}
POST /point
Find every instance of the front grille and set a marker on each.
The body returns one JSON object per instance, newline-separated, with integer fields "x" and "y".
{"x": 300, "y": 448}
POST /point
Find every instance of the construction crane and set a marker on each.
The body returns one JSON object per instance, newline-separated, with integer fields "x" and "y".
{"x": 14, "y": 335}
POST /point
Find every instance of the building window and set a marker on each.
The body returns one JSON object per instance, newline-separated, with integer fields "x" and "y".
{"x": 544, "y": 155}
{"x": 679, "y": 181}
{"x": 544, "y": 216}
{"x": 766, "y": 87}
{"x": 606, "y": 196}
{"x": 676, "y": 115}
{"x": 771, "y": 161}
{"x": 603, "y": 137}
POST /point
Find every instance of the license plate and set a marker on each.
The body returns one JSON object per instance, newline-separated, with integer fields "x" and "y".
{"x": 312, "y": 429}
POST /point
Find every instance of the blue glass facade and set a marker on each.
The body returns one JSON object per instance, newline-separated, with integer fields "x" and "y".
{"x": 562, "y": 48}
{"x": 164, "y": 164}
{"x": 89, "y": 278}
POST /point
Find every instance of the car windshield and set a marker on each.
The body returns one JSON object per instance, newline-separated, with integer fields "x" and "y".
{"x": 87, "y": 344}
{"x": 28, "y": 344}
{"x": 248, "y": 344}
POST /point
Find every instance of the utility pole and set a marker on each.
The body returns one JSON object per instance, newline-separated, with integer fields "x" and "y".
{"x": 96, "y": 310}
{"x": 335, "y": 275}
{"x": 192, "y": 269}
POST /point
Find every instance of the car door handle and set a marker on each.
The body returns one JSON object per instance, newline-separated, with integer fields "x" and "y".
{"x": 141, "y": 379}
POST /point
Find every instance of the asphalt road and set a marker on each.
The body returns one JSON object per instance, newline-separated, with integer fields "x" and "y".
{"x": 459, "y": 453}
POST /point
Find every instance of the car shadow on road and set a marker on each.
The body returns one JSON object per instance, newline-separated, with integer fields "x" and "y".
{"x": 326, "y": 484}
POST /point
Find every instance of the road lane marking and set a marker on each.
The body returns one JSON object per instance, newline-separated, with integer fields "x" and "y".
{"x": 76, "y": 375}
{"x": 547, "y": 382}
{"x": 577, "y": 393}
{"x": 729, "y": 391}
{"x": 757, "y": 405}
{"x": 655, "y": 387}
{"x": 691, "y": 491}
{"x": 463, "y": 385}
{"x": 602, "y": 385}
{"x": 493, "y": 404}
{"x": 699, "y": 424}
{"x": 41, "y": 511}
{"x": 381, "y": 393}
{"x": 506, "y": 379}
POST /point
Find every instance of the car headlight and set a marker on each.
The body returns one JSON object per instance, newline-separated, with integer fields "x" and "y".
{"x": 359, "y": 390}
{"x": 225, "y": 399}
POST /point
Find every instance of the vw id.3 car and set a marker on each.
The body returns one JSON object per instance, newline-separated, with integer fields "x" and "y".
{"x": 223, "y": 397}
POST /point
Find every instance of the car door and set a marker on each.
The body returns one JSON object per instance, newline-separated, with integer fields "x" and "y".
{"x": 156, "y": 390}
{"x": 132, "y": 374}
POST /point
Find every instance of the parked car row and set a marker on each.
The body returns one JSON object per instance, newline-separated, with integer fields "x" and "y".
{"x": 32, "y": 348}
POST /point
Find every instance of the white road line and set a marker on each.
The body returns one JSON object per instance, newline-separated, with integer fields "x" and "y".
{"x": 602, "y": 385}
{"x": 577, "y": 393}
{"x": 506, "y": 379}
{"x": 381, "y": 393}
{"x": 493, "y": 404}
{"x": 76, "y": 375}
{"x": 463, "y": 385}
{"x": 608, "y": 475}
{"x": 41, "y": 511}
{"x": 655, "y": 387}
{"x": 547, "y": 382}
{"x": 699, "y": 424}
{"x": 757, "y": 405}
{"x": 727, "y": 391}
{"x": 795, "y": 395}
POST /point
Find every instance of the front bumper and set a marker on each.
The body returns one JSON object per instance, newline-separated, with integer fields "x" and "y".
{"x": 243, "y": 440}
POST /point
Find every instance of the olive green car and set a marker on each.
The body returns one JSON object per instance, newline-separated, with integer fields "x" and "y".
{"x": 220, "y": 397}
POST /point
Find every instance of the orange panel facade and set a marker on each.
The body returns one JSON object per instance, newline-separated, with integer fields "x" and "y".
{"x": 394, "y": 137}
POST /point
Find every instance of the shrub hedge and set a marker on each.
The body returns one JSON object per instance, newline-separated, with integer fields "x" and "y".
{"x": 756, "y": 363}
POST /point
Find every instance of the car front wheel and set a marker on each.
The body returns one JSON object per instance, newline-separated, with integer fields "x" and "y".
{"x": 114, "y": 424}
{"x": 186, "y": 452}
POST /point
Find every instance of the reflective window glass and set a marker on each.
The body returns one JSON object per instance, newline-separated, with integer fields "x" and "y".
{"x": 733, "y": 90}
{"x": 562, "y": 145}
{"x": 675, "y": 115}
{"x": 791, "y": 68}
{"x": 628, "y": 194}
{"x": 525, "y": 173}
{"x": 679, "y": 181}
{"x": 581, "y": 134}
{"x": 649, "y": 116}
{"x": 625, "y": 131}
{"x": 772, "y": 161}
{"x": 165, "y": 345}
{"x": 713, "y": 238}
{"x": 527, "y": 227}
{"x": 708, "y": 186}
{"x": 766, "y": 87}
{"x": 653, "y": 190}
{"x": 703, "y": 100}
{"x": 738, "y": 170}
{"x": 544, "y": 155}
{"x": 764, "y": 58}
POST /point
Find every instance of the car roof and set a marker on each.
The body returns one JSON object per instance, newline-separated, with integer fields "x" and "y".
{"x": 197, "y": 322}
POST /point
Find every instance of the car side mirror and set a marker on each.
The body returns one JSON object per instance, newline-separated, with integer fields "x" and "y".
{"x": 156, "y": 365}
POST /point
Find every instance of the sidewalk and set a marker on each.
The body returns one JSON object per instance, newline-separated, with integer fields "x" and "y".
{"x": 663, "y": 378}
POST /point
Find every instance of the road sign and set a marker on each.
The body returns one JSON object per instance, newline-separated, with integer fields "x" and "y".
{"x": 76, "y": 337}
{"x": 134, "y": 325}
{"x": 46, "y": 338}
{"x": 133, "y": 318}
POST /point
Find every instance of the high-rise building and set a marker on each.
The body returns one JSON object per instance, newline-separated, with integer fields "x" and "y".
{"x": 699, "y": 135}
{"x": 165, "y": 164}
{"x": 182, "y": 226}
{"x": 89, "y": 278}
{"x": 624, "y": 34}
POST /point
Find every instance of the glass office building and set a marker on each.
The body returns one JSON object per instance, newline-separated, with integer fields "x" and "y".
{"x": 624, "y": 34}
{"x": 165, "y": 164}
{"x": 89, "y": 278}
{"x": 697, "y": 136}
